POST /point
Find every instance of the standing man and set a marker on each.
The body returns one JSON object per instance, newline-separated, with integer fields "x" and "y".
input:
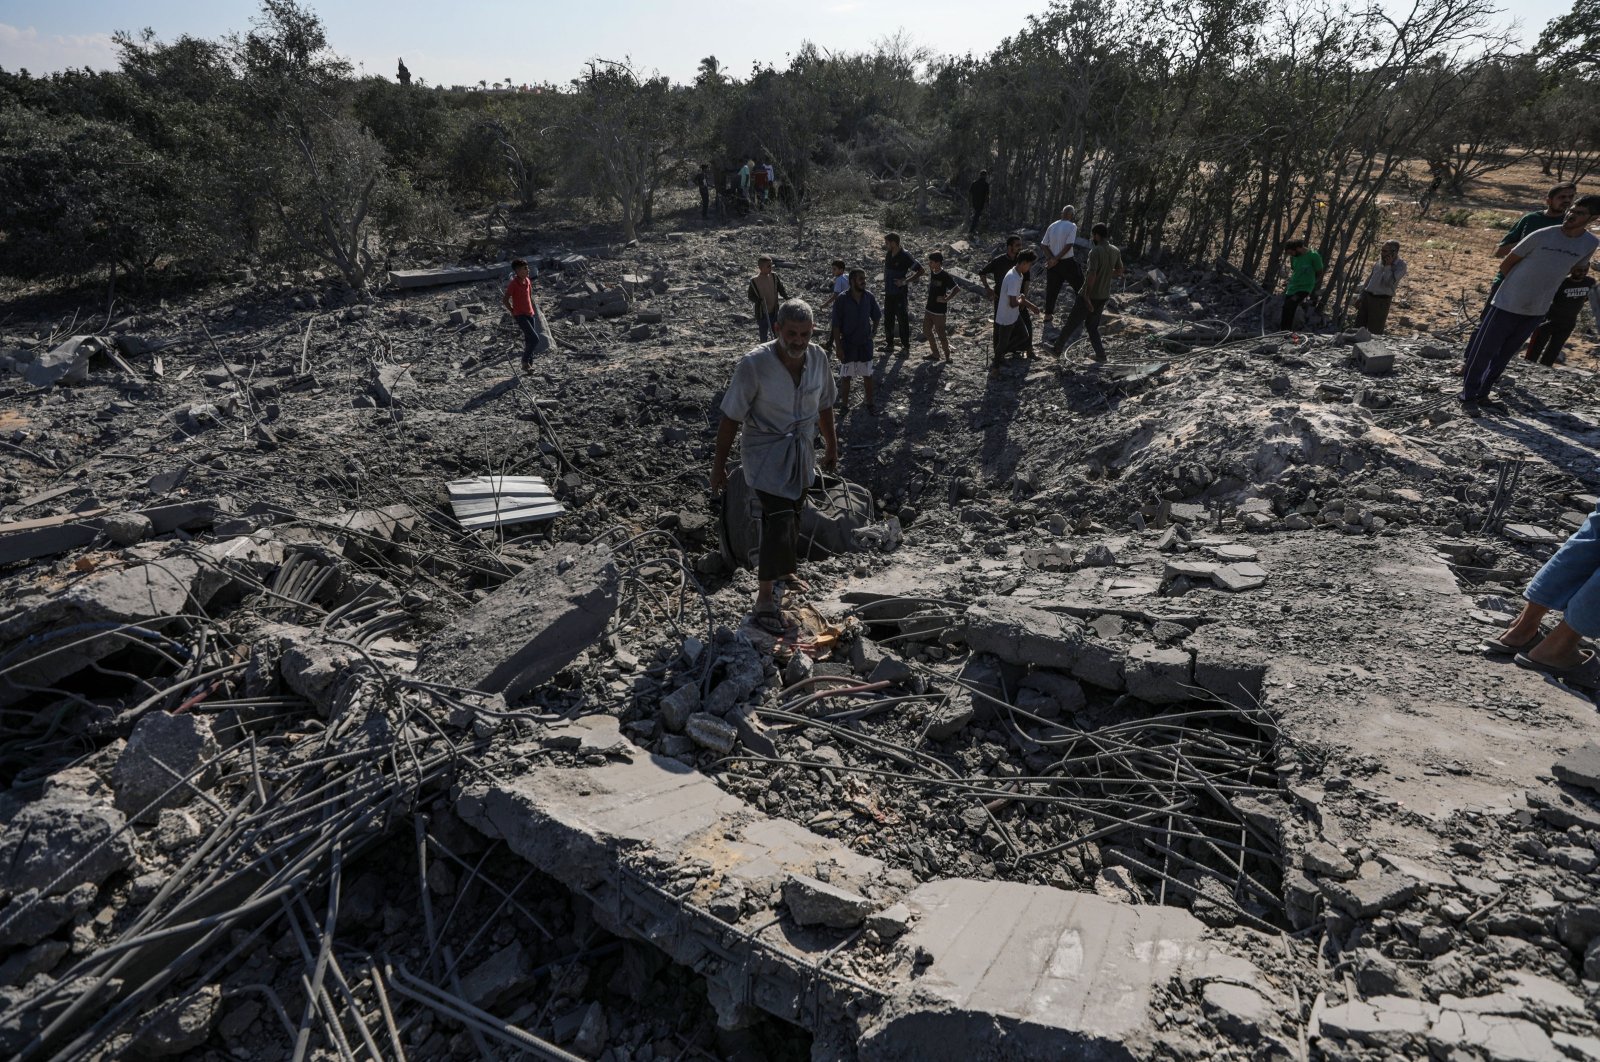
{"x": 1010, "y": 303}
{"x": 1562, "y": 317}
{"x": 1105, "y": 263}
{"x": 518, "y": 302}
{"x": 899, "y": 270}
{"x": 941, "y": 286}
{"x": 765, "y": 292}
{"x": 978, "y": 196}
{"x": 1305, "y": 273}
{"x": 1021, "y": 338}
{"x": 1372, "y": 309}
{"x": 702, "y": 181}
{"x": 744, "y": 179}
{"x": 782, "y": 395}
{"x": 855, "y": 320}
{"x": 1556, "y": 202}
{"x": 1533, "y": 270}
{"x": 1060, "y": 266}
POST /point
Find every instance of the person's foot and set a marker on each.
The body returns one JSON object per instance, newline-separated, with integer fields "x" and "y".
{"x": 1494, "y": 405}
{"x": 527, "y": 364}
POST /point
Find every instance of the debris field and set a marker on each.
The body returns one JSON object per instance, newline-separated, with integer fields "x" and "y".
{"x": 361, "y": 696}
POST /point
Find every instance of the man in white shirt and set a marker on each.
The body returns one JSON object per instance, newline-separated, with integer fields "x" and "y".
{"x": 1533, "y": 271}
{"x": 1008, "y": 308}
{"x": 1060, "y": 240}
{"x": 1372, "y": 309}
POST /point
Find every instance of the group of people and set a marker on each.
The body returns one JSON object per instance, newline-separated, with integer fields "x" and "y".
{"x": 751, "y": 186}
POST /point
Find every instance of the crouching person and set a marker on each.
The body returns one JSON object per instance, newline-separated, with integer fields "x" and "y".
{"x": 781, "y": 396}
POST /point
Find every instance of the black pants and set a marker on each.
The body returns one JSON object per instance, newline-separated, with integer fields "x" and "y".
{"x": 1065, "y": 271}
{"x": 1291, "y": 306}
{"x": 1086, "y": 313}
{"x": 977, "y": 212}
{"x": 780, "y": 535}
{"x": 1547, "y": 341}
{"x": 705, "y": 202}
{"x": 897, "y": 307}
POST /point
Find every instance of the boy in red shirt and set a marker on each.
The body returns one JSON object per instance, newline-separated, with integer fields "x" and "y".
{"x": 518, "y": 301}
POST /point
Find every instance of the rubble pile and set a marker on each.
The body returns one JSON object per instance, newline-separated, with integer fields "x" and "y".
{"x": 1135, "y": 710}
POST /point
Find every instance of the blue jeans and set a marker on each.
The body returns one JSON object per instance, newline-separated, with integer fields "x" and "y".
{"x": 1489, "y": 351}
{"x": 530, "y": 335}
{"x": 1569, "y": 582}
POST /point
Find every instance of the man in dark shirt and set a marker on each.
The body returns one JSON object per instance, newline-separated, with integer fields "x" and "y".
{"x": 941, "y": 286}
{"x": 702, "y": 181}
{"x": 1562, "y": 317}
{"x": 1019, "y": 338}
{"x": 855, "y": 318}
{"x": 899, "y": 270}
{"x": 978, "y": 196}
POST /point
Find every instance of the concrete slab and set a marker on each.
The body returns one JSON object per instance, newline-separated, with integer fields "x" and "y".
{"x": 433, "y": 278}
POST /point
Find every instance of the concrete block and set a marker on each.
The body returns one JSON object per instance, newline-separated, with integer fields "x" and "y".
{"x": 65, "y": 364}
{"x": 818, "y": 903}
{"x": 64, "y": 839}
{"x": 392, "y": 384}
{"x": 709, "y": 732}
{"x": 534, "y": 625}
{"x": 1374, "y": 357}
{"x": 1365, "y": 897}
{"x": 1157, "y": 675}
{"x": 1100, "y": 663}
{"x": 1028, "y": 637}
{"x": 430, "y": 278}
{"x": 162, "y": 750}
{"x": 677, "y": 706}
{"x": 1581, "y": 766}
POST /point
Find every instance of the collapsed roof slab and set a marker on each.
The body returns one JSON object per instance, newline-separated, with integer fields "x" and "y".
{"x": 988, "y": 969}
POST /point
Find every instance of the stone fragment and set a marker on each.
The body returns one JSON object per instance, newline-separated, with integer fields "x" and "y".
{"x": 24, "y": 966}
{"x": 707, "y": 731}
{"x": 124, "y": 529}
{"x": 66, "y": 363}
{"x": 392, "y": 385}
{"x": 64, "y": 838}
{"x": 1323, "y": 859}
{"x": 1365, "y": 897}
{"x": 163, "y": 750}
{"x": 1241, "y": 576}
{"x": 890, "y": 922}
{"x": 1591, "y": 960}
{"x": 1237, "y": 1010}
{"x": 1378, "y": 975}
{"x": 950, "y": 716}
{"x": 677, "y": 706}
{"x": 1117, "y": 883}
{"x": 743, "y": 672}
{"x": 532, "y": 626}
{"x": 1578, "y": 924}
{"x": 1021, "y": 635}
{"x": 891, "y": 669}
{"x": 1576, "y": 859}
{"x": 1066, "y": 693}
{"x": 1581, "y": 766}
{"x": 1157, "y": 675}
{"x": 1374, "y": 357}
{"x": 1188, "y": 569}
{"x": 31, "y": 916}
{"x": 591, "y": 1037}
{"x": 179, "y": 1026}
{"x": 818, "y": 903}
{"x": 1387, "y": 1021}
{"x": 505, "y": 973}
{"x": 1099, "y": 555}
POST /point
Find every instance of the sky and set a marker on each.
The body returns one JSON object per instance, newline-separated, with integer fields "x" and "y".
{"x": 537, "y": 40}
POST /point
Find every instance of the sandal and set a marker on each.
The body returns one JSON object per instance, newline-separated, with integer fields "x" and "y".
{"x": 1584, "y": 675}
{"x": 795, "y": 583}
{"x": 771, "y": 620}
{"x": 1496, "y": 647}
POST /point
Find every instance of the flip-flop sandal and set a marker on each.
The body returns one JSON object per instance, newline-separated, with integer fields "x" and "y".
{"x": 795, "y": 583}
{"x": 1495, "y": 647}
{"x": 1584, "y": 675}
{"x": 771, "y": 621}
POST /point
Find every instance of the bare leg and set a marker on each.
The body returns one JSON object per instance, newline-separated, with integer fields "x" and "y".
{"x": 764, "y": 595}
{"x": 1525, "y": 627}
{"x": 844, "y": 390}
{"x": 1559, "y": 648}
{"x": 866, "y": 382}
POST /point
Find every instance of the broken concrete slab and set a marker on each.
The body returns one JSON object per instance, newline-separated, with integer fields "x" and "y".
{"x": 392, "y": 385}
{"x": 405, "y": 279}
{"x": 162, "y": 751}
{"x": 65, "y": 838}
{"x": 64, "y": 364}
{"x": 817, "y": 903}
{"x": 1242, "y": 575}
{"x": 534, "y": 625}
{"x": 180, "y": 1025}
{"x": 1365, "y": 897}
{"x": 1581, "y": 766}
{"x": 1018, "y": 634}
{"x": 1158, "y": 675}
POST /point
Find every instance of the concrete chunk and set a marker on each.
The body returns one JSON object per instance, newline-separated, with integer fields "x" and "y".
{"x": 162, "y": 750}
{"x": 534, "y": 625}
{"x": 1581, "y": 766}
{"x": 1021, "y": 635}
{"x": 817, "y": 903}
{"x": 1157, "y": 675}
{"x": 64, "y": 838}
{"x": 65, "y": 363}
{"x": 1374, "y": 357}
{"x": 1365, "y": 897}
{"x": 707, "y": 731}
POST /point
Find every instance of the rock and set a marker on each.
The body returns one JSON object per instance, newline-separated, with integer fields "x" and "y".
{"x": 1591, "y": 960}
{"x": 677, "y": 706}
{"x": 31, "y": 916}
{"x": 707, "y": 731}
{"x": 1374, "y": 357}
{"x": 125, "y": 529}
{"x": 743, "y": 672}
{"x": 1433, "y": 941}
{"x": 1241, "y": 576}
{"x": 310, "y": 665}
{"x": 162, "y": 750}
{"x": 1118, "y": 883}
{"x": 237, "y": 1021}
{"x": 1065, "y": 692}
{"x": 505, "y": 973}
{"x": 66, "y": 363}
{"x": 591, "y": 1037}
{"x": 392, "y": 385}
{"x": 800, "y": 667}
{"x": 24, "y": 966}
{"x": 1387, "y": 1021}
{"x": 949, "y": 717}
{"x": 1365, "y": 897}
{"x": 1578, "y": 860}
{"x": 1436, "y": 352}
{"x": 865, "y": 655}
{"x": 1578, "y": 925}
{"x": 179, "y": 1026}
{"x": 64, "y": 838}
{"x": 1021, "y": 635}
{"x": 817, "y": 903}
{"x": 1323, "y": 859}
{"x": 890, "y": 922}
{"x": 1379, "y": 975}
{"x": 891, "y": 669}
{"x": 1099, "y": 555}
{"x": 1237, "y": 1010}
{"x": 1581, "y": 766}
{"x": 532, "y": 626}
{"x": 1157, "y": 675}
{"x": 1188, "y": 569}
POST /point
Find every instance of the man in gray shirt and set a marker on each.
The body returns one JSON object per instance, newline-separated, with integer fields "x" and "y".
{"x": 1533, "y": 271}
{"x": 781, "y": 394}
